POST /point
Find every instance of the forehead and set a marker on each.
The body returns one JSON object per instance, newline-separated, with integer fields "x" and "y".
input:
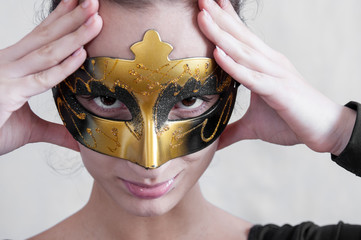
{"x": 176, "y": 23}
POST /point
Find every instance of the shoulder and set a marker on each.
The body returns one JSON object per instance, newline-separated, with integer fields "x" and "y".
{"x": 67, "y": 229}
{"x": 306, "y": 231}
{"x": 59, "y": 231}
{"x": 223, "y": 225}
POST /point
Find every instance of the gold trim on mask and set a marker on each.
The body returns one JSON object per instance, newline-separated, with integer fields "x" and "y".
{"x": 150, "y": 84}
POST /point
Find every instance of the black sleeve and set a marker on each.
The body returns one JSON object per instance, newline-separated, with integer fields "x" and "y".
{"x": 305, "y": 231}
{"x": 350, "y": 158}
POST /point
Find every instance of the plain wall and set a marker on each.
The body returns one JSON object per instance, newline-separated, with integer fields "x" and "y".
{"x": 260, "y": 182}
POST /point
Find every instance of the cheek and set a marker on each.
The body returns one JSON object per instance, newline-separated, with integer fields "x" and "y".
{"x": 98, "y": 165}
{"x": 204, "y": 154}
{"x": 198, "y": 162}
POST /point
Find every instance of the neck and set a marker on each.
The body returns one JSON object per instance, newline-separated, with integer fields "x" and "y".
{"x": 102, "y": 217}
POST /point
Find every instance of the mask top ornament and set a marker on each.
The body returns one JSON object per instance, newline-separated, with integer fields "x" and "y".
{"x": 149, "y": 86}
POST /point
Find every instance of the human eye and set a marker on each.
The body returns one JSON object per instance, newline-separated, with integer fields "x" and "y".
{"x": 107, "y": 102}
{"x": 192, "y": 107}
{"x": 190, "y": 103}
{"x": 105, "y": 106}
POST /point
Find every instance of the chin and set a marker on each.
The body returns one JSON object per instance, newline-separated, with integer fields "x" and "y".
{"x": 150, "y": 207}
{"x": 153, "y": 211}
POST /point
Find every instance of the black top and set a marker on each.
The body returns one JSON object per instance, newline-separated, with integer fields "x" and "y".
{"x": 350, "y": 159}
{"x": 306, "y": 231}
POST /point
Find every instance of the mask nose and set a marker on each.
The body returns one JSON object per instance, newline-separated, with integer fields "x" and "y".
{"x": 150, "y": 155}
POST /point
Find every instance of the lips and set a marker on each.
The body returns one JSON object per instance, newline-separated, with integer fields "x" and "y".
{"x": 144, "y": 191}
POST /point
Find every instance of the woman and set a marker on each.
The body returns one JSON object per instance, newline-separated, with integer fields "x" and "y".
{"x": 115, "y": 207}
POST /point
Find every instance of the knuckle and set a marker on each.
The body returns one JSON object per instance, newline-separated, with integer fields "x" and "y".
{"x": 282, "y": 59}
{"x": 41, "y": 80}
{"x": 79, "y": 34}
{"x": 73, "y": 14}
{"x": 247, "y": 52}
{"x": 46, "y": 50}
{"x": 63, "y": 72}
{"x": 49, "y": 53}
{"x": 79, "y": 37}
{"x": 43, "y": 31}
{"x": 233, "y": 71}
{"x": 243, "y": 53}
{"x": 256, "y": 75}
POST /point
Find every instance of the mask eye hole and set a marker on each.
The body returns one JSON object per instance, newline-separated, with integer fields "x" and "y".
{"x": 105, "y": 106}
{"x": 192, "y": 107}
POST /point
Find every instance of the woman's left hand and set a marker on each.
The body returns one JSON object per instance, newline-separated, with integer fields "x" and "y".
{"x": 284, "y": 109}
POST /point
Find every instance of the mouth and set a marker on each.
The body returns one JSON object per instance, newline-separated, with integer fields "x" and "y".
{"x": 144, "y": 191}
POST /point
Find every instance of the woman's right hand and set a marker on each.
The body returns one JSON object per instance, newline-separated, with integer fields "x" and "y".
{"x": 39, "y": 61}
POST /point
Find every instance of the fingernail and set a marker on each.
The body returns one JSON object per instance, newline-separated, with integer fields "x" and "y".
{"x": 207, "y": 14}
{"x": 85, "y": 4}
{"x": 91, "y": 20}
{"x": 77, "y": 52}
{"x": 65, "y": 1}
{"x": 222, "y": 3}
{"x": 221, "y": 52}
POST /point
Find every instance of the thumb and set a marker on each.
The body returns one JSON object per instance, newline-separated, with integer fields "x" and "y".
{"x": 235, "y": 132}
{"x": 45, "y": 131}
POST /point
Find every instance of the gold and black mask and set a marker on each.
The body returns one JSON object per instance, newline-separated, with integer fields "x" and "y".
{"x": 149, "y": 86}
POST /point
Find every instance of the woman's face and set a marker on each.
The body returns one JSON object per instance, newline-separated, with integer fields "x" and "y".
{"x": 135, "y": 189}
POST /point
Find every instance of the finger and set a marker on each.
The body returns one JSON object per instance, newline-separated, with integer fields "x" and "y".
{"x": 24, "y": 46}
{"x": 233, "y": 133}
{"x": 57, "y": 27}
{"x": 54, "y": 53}
{"x": 237, "y": 50}
{"x": 226, "y": 5}
{"x": 255, "y": 81}
{"x": 224, "y": 17}
{"x": 63, "y": 8}
{"x": 49, "y": 132}
{"x": 43, "y": 81}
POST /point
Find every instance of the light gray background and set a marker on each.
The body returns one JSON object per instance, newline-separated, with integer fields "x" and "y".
{"x": 260, "y": 182}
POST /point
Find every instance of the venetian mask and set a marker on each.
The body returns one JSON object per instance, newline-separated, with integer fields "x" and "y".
{"x": 148, "y": 87}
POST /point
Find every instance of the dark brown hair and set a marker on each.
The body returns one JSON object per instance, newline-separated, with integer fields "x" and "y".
{"x": 237, "y": 4}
